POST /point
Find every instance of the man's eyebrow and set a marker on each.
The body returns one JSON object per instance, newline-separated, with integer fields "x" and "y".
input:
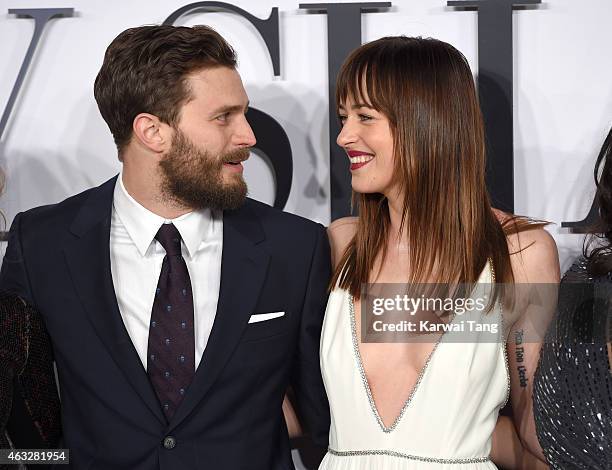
{"x": 231, "y": 109}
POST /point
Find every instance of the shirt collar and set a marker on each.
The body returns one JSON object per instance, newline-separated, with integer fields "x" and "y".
{"x": 142, "y": 224}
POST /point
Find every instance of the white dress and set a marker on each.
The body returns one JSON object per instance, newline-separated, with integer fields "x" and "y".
{"x": 447, "y": 421}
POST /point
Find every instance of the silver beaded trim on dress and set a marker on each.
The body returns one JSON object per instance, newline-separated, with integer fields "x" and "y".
{"x": 364, "y": 378}
{"x": 392, "y": 453}
{"x": 503, "y": 338}
{"x": 505, "y": 348}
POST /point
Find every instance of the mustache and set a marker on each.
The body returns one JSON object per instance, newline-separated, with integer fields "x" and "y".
{"x": 238, "y": 155}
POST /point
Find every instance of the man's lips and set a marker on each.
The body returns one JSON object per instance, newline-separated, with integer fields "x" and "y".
{"x": 236, "y": 164}
{"x": 236, "y": 160}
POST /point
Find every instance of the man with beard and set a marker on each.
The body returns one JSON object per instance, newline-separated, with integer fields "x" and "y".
{"x": 179, "y": 310}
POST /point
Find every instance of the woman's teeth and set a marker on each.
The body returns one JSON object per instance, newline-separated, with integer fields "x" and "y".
{"x": 361, "y": 159}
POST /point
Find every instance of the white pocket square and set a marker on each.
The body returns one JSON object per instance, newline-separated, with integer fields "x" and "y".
{"x": 257, "y": 317}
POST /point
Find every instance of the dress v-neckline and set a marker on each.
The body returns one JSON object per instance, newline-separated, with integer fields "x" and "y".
{"x": 366, "y": 383}
{"x": 411, "y": 395}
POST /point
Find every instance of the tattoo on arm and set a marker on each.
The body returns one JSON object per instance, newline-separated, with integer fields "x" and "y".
{"x": 520, "y": 358}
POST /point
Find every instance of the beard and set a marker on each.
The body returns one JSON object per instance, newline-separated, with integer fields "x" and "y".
{"x": 193, "y": 178}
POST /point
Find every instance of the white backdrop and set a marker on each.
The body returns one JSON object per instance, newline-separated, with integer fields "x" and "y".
{"x": 56, "y": 144}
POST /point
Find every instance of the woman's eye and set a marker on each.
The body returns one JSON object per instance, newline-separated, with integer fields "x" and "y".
{"x": 341, "y": 118}
{"x": 365, "y": 117}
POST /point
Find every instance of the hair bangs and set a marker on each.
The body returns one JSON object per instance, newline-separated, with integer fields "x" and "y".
{"x": 357, "y": 80}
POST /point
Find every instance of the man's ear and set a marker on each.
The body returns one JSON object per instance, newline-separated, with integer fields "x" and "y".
{"x": 151, "y": 133}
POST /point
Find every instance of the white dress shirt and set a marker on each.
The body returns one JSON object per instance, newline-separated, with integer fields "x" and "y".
{"x": 136, "y": 262}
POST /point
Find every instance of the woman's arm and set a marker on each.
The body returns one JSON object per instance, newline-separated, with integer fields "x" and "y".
{"x": 37, "y": 400}
{"x": 294, "y": 428}
{"x": 535, "y": 266}
{"x": 508, "y": 451}
{"x": 29, "y": 402}
{"x": 13, "y": 330}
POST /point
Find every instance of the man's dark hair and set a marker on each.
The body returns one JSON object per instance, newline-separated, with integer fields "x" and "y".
{"x": 145, "y": 70}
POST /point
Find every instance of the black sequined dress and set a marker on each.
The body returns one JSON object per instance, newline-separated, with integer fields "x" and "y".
{"x": 573, "y": 382}
{"x": 29, "y": 402}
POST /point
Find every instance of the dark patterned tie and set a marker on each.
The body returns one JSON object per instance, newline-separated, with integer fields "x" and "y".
{"x": 171, "y": 349}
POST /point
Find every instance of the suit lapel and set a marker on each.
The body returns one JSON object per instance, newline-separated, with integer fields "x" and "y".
{"x": 243, "y": 269}
{"x": 88, "y": 259}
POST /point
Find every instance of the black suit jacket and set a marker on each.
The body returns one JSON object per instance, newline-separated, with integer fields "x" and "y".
{"x": 58, "y": 258}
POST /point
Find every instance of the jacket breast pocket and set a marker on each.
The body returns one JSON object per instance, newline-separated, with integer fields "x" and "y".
{"x": 264, "y": 325}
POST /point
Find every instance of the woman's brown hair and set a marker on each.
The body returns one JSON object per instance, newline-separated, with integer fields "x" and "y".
{"x": 426, "y": 90}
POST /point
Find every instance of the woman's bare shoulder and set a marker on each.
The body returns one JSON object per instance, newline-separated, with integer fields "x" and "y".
{"x": 533, "y": 251}
{"x": 341, "y": 232}
{"x": 534, "y": 256}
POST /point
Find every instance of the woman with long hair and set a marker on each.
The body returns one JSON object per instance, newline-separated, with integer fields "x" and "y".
{"x": 413, "y": 132}
{"x": 573, "y": 383}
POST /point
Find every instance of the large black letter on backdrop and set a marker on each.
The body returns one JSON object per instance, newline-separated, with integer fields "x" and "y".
{"x": 585, "y": 225}
{"x": 272, "y": 139}
{"x": 343, "y": 35}
{"x": 495, "y": 90}
{"x": 41, "y": 17}
{"x": 593, "y": 221}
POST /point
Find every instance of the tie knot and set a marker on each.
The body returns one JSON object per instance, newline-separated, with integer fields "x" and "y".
{"x": 170, "y": 239}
